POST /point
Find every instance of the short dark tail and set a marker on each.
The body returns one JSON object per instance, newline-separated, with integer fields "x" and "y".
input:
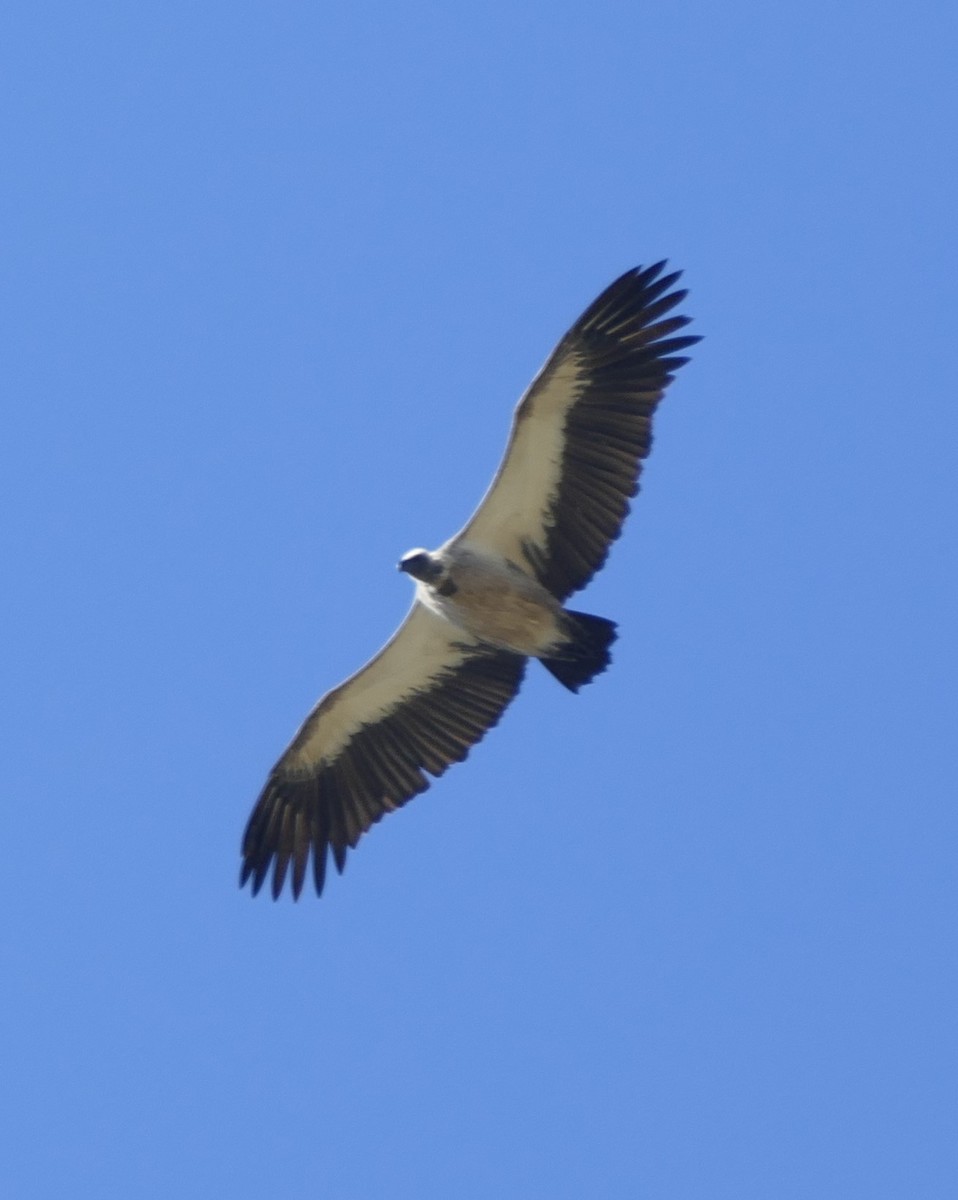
{"x": 585, "y": 654}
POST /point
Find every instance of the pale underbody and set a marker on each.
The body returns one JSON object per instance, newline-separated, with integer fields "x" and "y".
{"x": 495, "y": 601}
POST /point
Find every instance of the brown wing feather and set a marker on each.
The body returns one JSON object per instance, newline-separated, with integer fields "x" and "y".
{"x": 306, "y": 811}
{"x": 581, "y": 431}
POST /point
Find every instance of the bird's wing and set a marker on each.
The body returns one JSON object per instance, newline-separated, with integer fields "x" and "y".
{"x": 580, "y": 433}
{"x": 419, "y": 705}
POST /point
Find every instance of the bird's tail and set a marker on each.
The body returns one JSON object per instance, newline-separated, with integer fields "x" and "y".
{"x": 585, "y": 654}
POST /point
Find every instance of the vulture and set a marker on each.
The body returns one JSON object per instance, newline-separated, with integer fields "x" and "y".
{"x": 490, "y": 598}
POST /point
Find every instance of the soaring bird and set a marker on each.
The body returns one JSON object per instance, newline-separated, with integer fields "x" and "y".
{"x": 490, "y": 598}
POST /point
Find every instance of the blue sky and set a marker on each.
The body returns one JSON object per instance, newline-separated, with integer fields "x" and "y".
{"x": 275, "y": 276}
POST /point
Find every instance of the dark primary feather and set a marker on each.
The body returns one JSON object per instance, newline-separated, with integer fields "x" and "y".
{"x": 382, "y": 766}
{"x": 624, "y": 348}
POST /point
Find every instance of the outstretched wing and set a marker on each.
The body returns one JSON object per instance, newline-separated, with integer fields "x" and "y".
{"x": 580, "y": 433}
{"x": 418, "y": 706}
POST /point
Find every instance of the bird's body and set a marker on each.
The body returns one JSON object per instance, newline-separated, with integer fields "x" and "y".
{"x": 493, "y": 600}
{"x": 490, "y": 598}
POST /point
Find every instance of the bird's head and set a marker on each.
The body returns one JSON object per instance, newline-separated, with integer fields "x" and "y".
{"x": 421, "y": 565}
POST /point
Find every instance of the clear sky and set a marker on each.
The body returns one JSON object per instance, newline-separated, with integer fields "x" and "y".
{"x": 274, "y": 277}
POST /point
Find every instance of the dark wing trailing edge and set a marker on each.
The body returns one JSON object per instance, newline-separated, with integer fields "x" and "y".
{"x": 417, "y": 707}
{"x": 581, "y": 431}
